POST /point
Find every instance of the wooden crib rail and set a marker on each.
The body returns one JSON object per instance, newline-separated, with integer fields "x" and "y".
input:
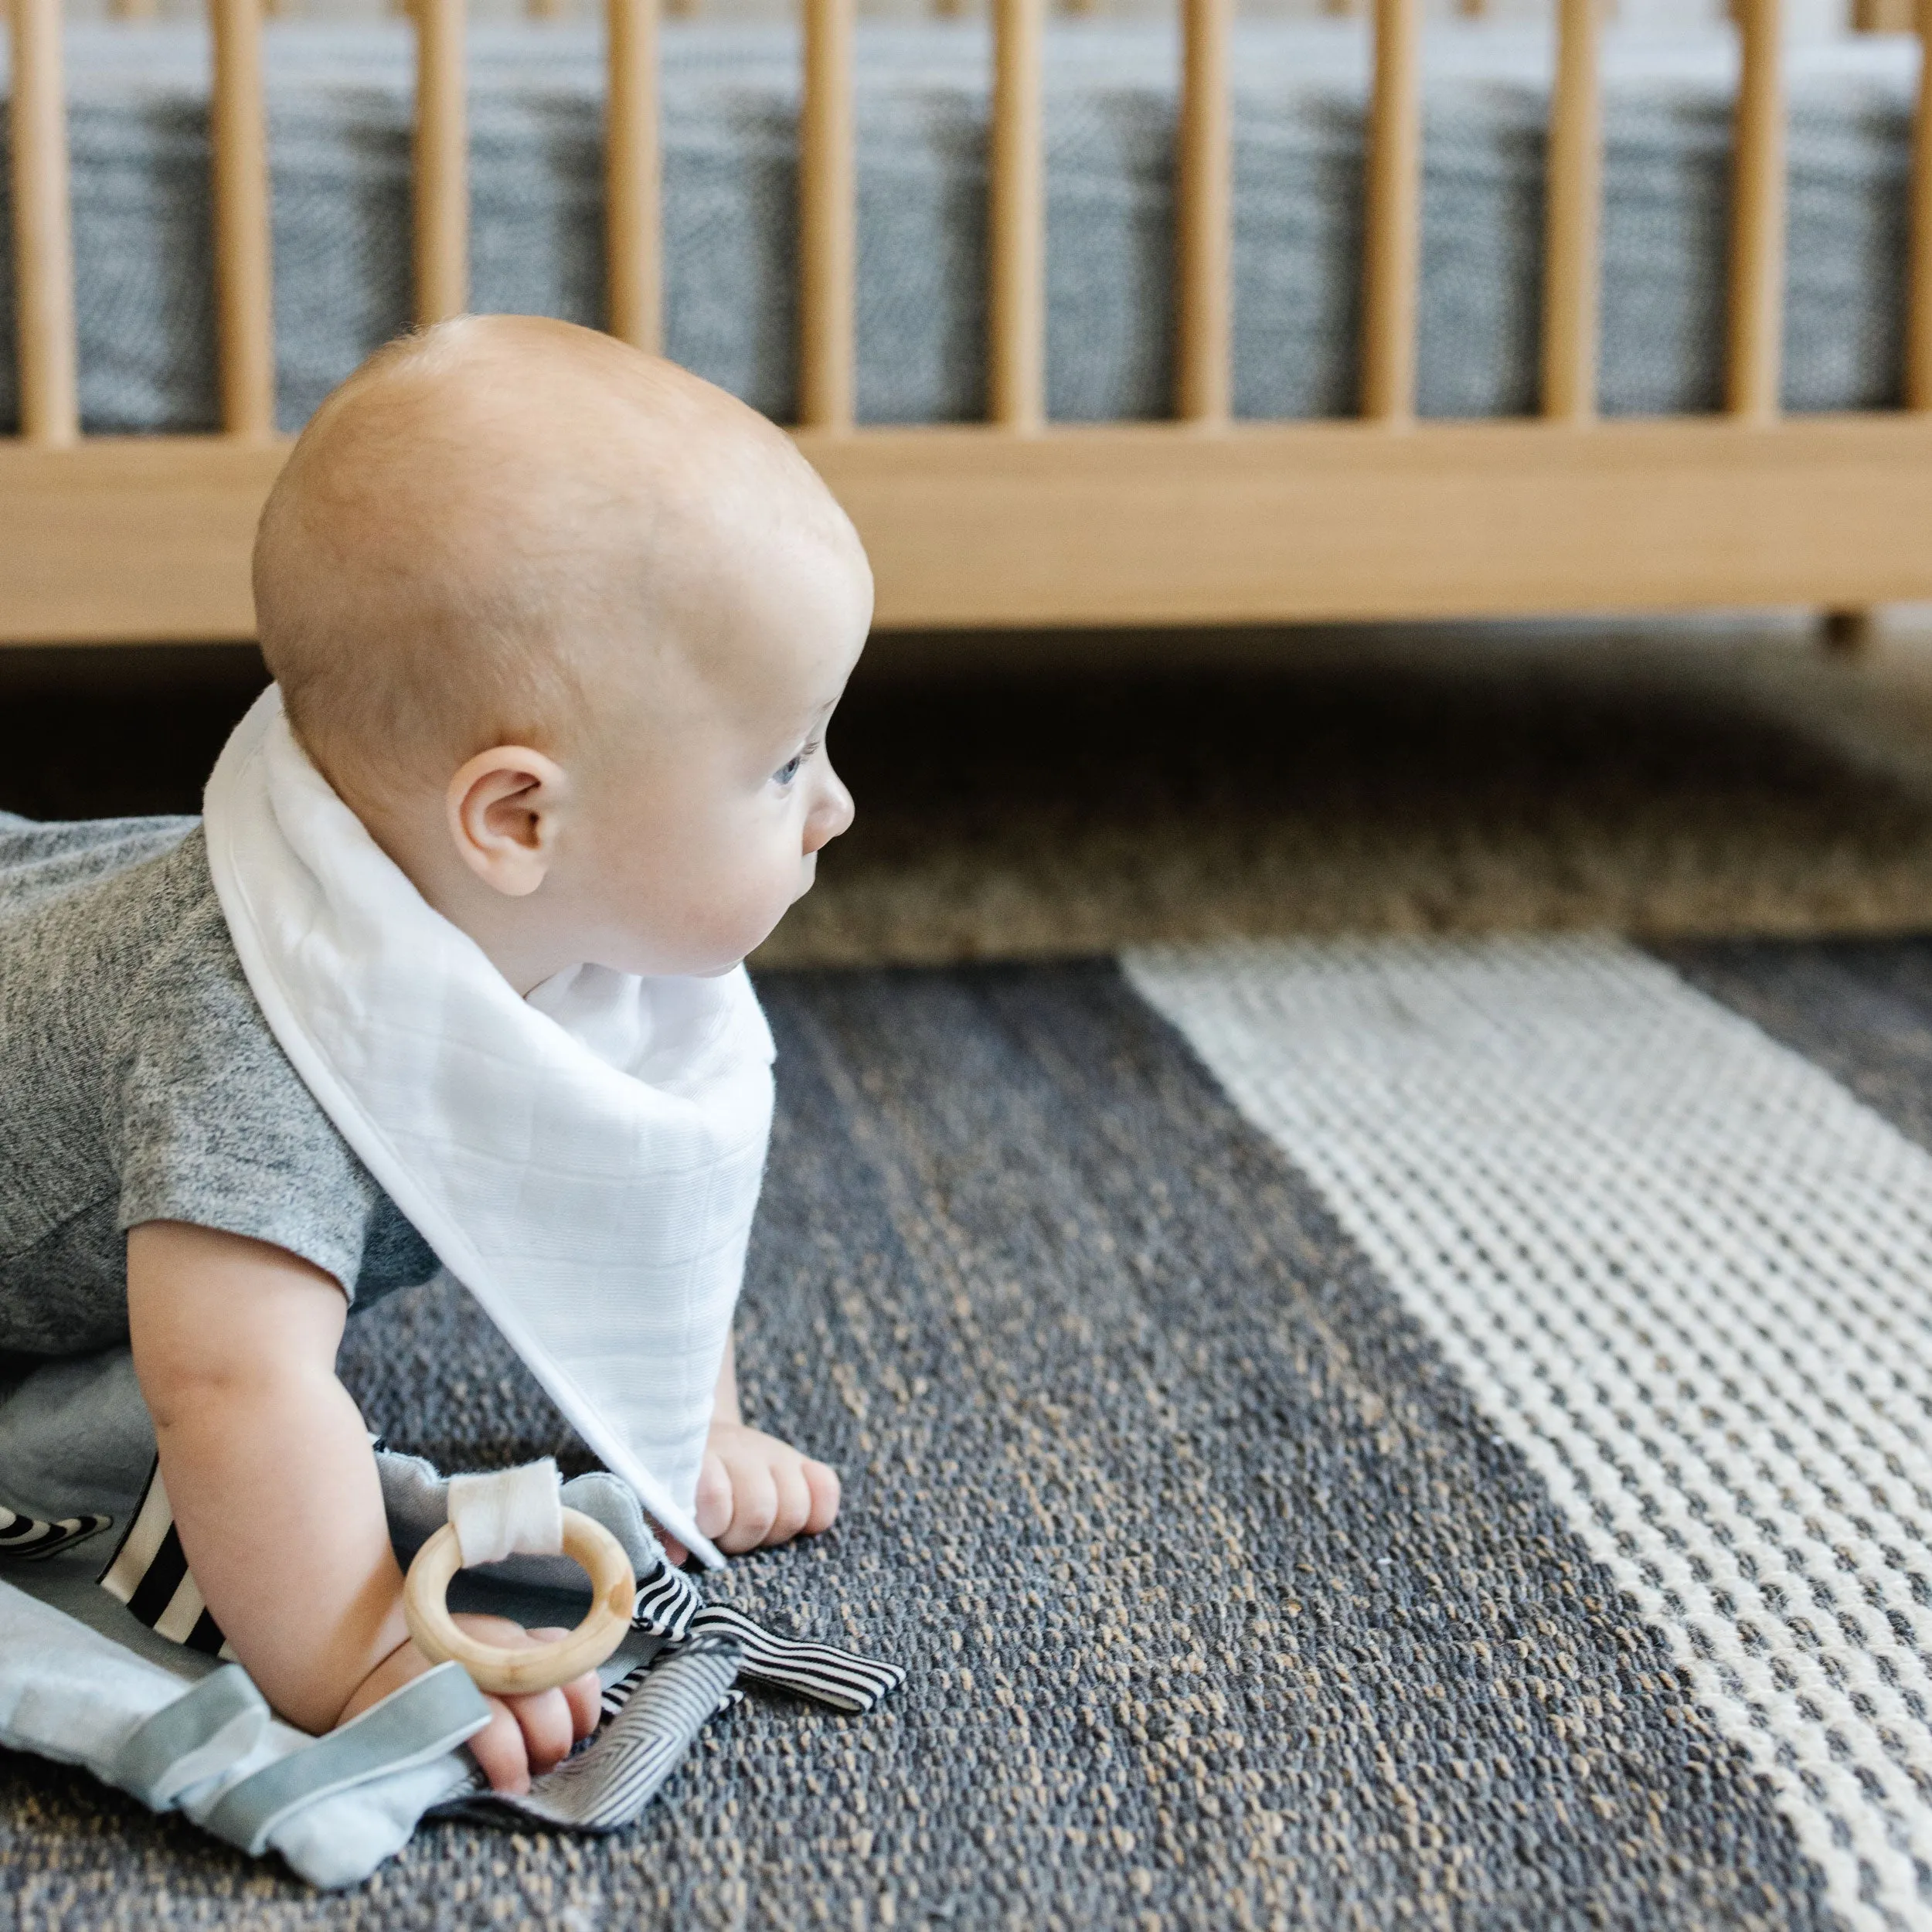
{"x": 1754, "y": 337}
{"x": 1204, "y": 220}
{"x": 1392, "y": 242}
{"x": 244, "y": 300}
{"x": 42, "y": 237}
{"x": 1918, "y": 326}
{"x": 1572, "y": 263}
{"x": 633, "y": 241}
{"x": 440, "y": 207}
{"x": 1016, "y": 222}
{"x": 827, "y": 220}
{"x": 1018, "y": 520}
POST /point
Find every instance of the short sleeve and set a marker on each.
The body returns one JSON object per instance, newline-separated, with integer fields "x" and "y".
{"x": 214, "y": 1124}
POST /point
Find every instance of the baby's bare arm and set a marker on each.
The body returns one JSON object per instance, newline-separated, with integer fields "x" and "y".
{"x": 268, "y": 1468}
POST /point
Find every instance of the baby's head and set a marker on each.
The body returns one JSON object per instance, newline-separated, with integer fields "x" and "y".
{"x": 564, "y": 626}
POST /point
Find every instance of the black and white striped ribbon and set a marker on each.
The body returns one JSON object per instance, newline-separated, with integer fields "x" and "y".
{"x": 666, "y": 1602}
{"x": 617, "y": 1695}
{"x": 672, "y": 1606}
{"x": 823, "y": 1672}
{"x": 29, "y": 1536}
{"x": 148, "y": 1572}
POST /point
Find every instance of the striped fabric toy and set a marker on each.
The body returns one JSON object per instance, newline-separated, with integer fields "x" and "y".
{"x": 651, "y": 1713}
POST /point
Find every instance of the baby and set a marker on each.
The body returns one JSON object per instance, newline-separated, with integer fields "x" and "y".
{"x": 563, "y": 627}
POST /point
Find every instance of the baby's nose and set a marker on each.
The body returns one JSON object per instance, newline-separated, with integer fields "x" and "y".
{"x": 833, "y": 814}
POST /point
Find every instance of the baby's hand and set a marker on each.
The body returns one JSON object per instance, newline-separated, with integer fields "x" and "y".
{"x": 755, "y": 1490}
{"x": 526, "y": 1736}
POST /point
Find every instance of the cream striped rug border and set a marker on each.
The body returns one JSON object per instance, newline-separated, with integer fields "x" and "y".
{"x": 1686, "y": 1274}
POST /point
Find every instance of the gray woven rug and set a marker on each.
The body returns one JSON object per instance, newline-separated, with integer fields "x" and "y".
{"x": 1271, "y": 1537}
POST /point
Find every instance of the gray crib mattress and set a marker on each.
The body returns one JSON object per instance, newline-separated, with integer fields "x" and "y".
{"x": 339, "y": 112}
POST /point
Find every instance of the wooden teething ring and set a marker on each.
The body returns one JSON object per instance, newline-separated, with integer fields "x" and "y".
{"x": 513, "y": 1673}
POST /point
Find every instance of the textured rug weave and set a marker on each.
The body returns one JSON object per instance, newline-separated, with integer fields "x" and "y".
{"x": 1661, "y": 779}
{"x": 1457, "y": 779}
{"x": 1685, "y": 1273}
{"x": 1340, "y": 1434}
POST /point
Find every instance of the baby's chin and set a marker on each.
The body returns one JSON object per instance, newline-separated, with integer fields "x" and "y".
{"x": 735, "y": 950}
{"x": 810, "y": 872}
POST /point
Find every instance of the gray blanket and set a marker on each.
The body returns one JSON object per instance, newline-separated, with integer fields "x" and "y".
{"x": 340, "y": 112}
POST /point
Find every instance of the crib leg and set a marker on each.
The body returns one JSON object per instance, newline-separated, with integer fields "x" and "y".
{"x": 1848, "y": 634}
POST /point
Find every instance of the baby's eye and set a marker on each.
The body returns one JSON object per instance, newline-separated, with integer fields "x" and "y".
{"x": 791, "y": 768}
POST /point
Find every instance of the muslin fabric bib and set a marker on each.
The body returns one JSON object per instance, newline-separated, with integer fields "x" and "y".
{"x": 585, "y": 1161}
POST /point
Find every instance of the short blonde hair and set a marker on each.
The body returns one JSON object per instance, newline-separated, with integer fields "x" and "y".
{"x": 443, "y": 552}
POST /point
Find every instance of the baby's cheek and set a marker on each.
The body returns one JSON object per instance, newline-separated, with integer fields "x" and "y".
{"x": 745, "y": 910}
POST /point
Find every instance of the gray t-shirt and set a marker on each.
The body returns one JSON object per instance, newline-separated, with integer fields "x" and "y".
{"x": 139, "y": 1082}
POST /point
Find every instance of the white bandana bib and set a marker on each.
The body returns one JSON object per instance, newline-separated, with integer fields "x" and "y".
{"x": 586, "y": 1162}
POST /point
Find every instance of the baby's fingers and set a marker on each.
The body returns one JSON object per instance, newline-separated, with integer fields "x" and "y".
{"x": 583, "y": 1695}
{"x": 499, "y": 1753}
{"x": 548, "y": 1726}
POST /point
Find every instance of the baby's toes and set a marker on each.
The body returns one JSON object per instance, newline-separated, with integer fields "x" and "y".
{"x": 821, "y": 1482}
{"x": 754, "y": 1506}
{"x": 794, "y": 1508}
{"x": 714, "y": 1495}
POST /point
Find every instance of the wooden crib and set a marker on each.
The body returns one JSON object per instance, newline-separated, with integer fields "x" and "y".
{"x": 1015, "y": 521}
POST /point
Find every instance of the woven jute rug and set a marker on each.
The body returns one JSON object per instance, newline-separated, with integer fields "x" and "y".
{"x": 1351, "y": 1433}
{"x": 1411, "y": 1425}
{"x": 1053, "y": 797}
{"x": 1703, "y": 780}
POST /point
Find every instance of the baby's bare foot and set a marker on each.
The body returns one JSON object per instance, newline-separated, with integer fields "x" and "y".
{"x": 755, "y": 1490}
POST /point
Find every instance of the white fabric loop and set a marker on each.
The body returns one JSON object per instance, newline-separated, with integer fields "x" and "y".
{"x": 508, "y": 1512}
{"x": 585, "y": 1161}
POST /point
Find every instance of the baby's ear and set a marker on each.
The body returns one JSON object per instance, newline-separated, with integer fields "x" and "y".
{"x": 503, "y": 808}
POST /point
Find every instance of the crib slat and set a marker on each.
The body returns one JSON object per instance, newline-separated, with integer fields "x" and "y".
{"x": 243, "y": 291}
{"x": 1204, "y": 230}
{"x": 1918, "y": 342}
{"x": 442, "y": 195}
{"x": 1883, "y": 16}
{"x": 1392, "y": 244}
{"x": 827, "y": 238}
{"x": 632, "y": 211}
{"x": 1755, "y": 333}
{"x": 1016, "y": 307}
{"x": 1572, "y": 265}
{"x": 42, "y": 229}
